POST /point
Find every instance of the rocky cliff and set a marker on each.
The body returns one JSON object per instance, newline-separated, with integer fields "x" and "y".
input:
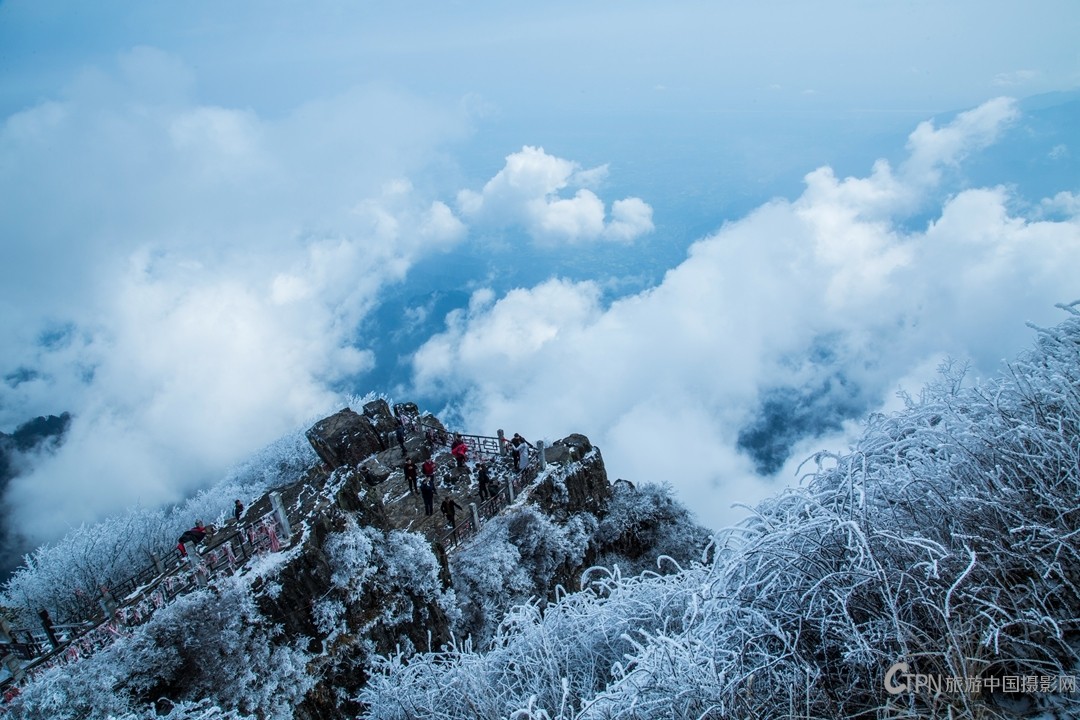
{"x": 415, "y": 593}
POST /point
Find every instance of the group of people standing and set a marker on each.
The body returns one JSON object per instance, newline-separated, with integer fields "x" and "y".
{"x": 422, "y": 479}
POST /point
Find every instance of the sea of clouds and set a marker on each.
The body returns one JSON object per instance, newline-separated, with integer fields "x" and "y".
{"x": 189, "y": 281}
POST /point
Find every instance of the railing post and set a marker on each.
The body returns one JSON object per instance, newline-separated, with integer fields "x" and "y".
{"x": 282, "y": 517}
{"x": 510, "y": 488}
{"x": 160, "y": 566}
{"x": 108, "y": 602}
{"x": 475, "y": 516}
{"x": 47, "y": 625}
{"x": 14, "y": 666}
{"x": 502, "y": 442}
{"x": 540, "y": 454}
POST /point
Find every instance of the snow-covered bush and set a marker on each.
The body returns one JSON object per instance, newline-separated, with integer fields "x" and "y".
{"x": 208, "y": 645}
{"x": 201, "y": 710}
{"x": 514, "y": 558}
{"x": 947, "y": 540}
{"x": 399, "y": 568}
{"x": 644, "y": 523}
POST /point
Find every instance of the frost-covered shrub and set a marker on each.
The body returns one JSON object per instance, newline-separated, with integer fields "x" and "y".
{"x": 549, "y": 660}
{"x": 350, "y": 554}
{"x": 398, "y": 568}
{"x": 207, "y": 645}
{"x": 947, "y": 539}
{"x": 642, "y": 524}
{"x": 516, "y": 557}
{"x": 201, "y": 710}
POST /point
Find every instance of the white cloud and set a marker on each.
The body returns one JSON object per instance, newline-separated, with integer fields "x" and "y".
{"x": 526, "y": 192}
{"x": 204, "y": 270}
{"x": 932, "y": 149}
{"x": 830, "y": 302}
{"x": 1015, "y": 78}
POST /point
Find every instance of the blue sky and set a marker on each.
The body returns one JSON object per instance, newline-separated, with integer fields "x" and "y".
{"x": 677, "y": 228}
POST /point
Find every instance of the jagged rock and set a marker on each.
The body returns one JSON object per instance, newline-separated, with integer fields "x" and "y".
{"x": 358, "y": 497}
{"x": 407, "y": 411}
{"x": 374, "y": 470}
{"x": 570, "y": 449}
{"x": 418, "y": 447}
{"x": 307, "y": 576}
{"x": 384, "y": 422}
{"x": 344, "y": 438}
{"x": 586, "y": 490}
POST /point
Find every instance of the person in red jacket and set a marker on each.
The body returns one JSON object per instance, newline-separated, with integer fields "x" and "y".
{"x": 194, "y": 536}
{"x": 459, "y": 450}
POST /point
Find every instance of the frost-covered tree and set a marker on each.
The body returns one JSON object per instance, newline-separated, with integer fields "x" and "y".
{"x": 65, "y": 577}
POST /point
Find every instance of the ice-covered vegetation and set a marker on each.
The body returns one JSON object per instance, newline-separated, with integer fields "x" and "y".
{"x": 397, "y": 569}
{"x": 527, "y": 556}
{"x": 947, "y": 539}
{"x": 65, "y": 577}
{"x": 207, "y": 650}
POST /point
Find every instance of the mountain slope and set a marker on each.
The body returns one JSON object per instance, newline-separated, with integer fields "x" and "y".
{"x": 945, "y": 541}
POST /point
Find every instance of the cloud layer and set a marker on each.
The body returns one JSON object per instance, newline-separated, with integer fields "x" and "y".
{"x": 776, "y": 331}
{"x": 188, "y": 279}
{"x": 225, "y": 205}
{"x": 200, "y": 288}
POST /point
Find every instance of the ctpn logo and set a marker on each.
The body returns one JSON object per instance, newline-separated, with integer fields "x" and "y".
{"x": 897, "y": 670}
{"x": 899, "y": 679}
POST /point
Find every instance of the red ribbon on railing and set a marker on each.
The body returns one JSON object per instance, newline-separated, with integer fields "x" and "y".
{"x": 271, "y": 533}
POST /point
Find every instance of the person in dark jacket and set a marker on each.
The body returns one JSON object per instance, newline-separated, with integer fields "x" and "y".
{"x": 399, "y": 433}
{"x": 427, "y": 491}
{"x": 238, "y": 510}
{"x": 410, "y": 474}
{"x": 483, "y": 478}
{"x": 448, "y": 508}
